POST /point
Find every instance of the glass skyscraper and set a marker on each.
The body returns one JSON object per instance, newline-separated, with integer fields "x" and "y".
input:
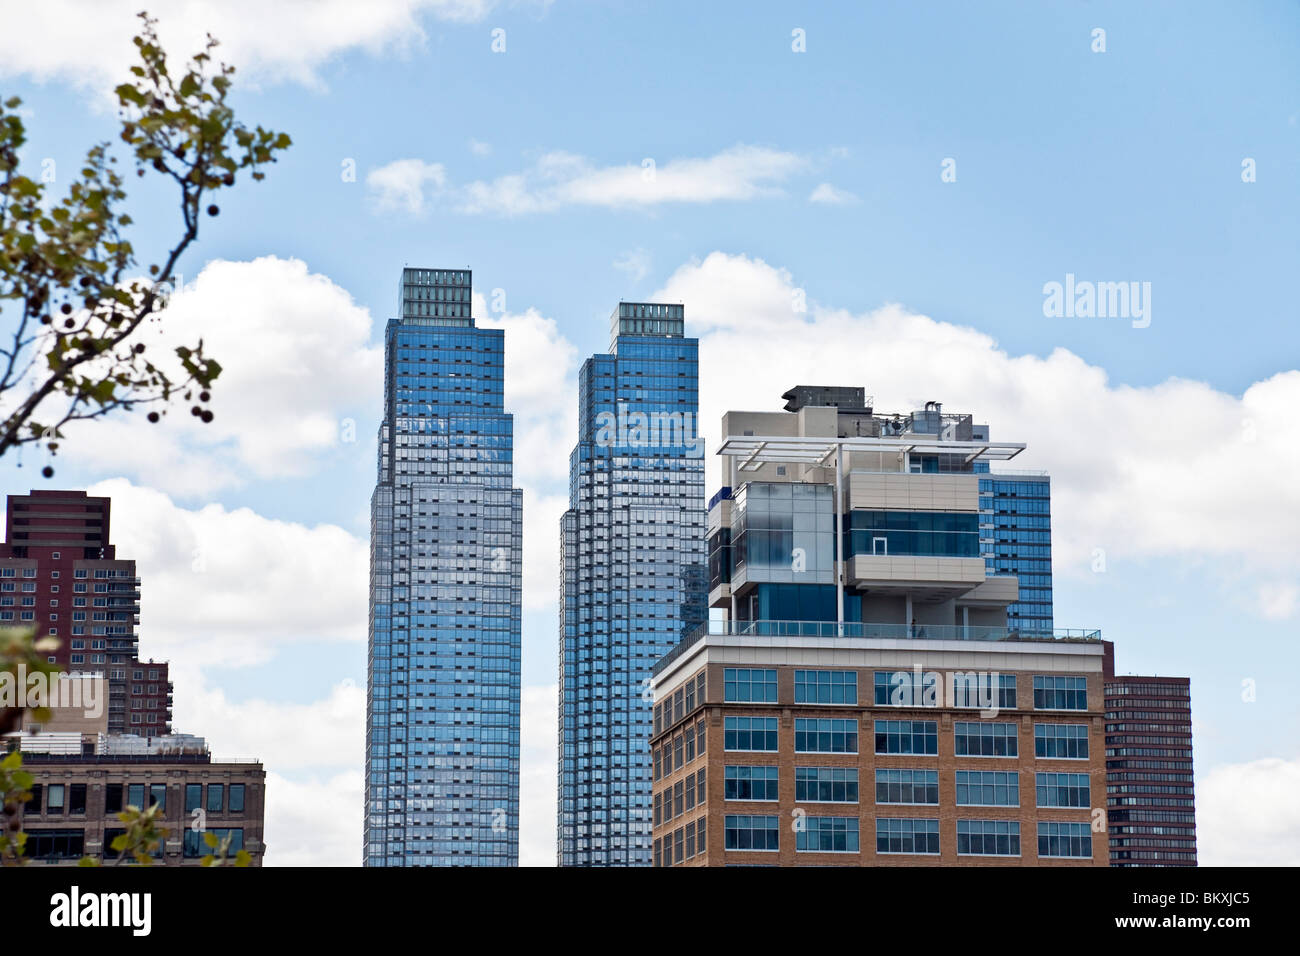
{"x": 634, "y": 577}
{"x": 442, "y": 704}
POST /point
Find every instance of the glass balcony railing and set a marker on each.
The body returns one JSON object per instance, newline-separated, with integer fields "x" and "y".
{"x": 875, "y": 631}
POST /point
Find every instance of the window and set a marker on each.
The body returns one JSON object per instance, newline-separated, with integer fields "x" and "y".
{"x": 77, "y": 798}
{"x": 1060, "y": 693}
{"x": 193, "y": 796}
{"x": 55, "y": 844}
{"x": 983, "y": 739}
{"x": 907, "y": 836}
{"x": 135, "y": 795}
{"x": 988, "y": 788}
{"x": 158, "y": 795}
{"x": 194, "y": 845}
{"x": 907, "y": 737}
{"x": 1064, "y": 840}
{"x": 827, "y": 835}
{"x": 1063, "y": 790}
{"x": 907, "y": 786}
{"x": 54, "y": 802}
{"x": 1061, "y": 741}
{"x": 826, "y": 735}
{"x": 903, "y": 689}
{"x": 825, "y": 687}
{"x": 112, "y": 799}
{"x": 973, "y": 689}
{"x": 826, "y": 785}
{"x": 751, "y": 833}
{"x": 749, "y": 733}
{"x": 749, "y": 783}
{"x": 743, "y": 685}
{"x": 988, "y": 838}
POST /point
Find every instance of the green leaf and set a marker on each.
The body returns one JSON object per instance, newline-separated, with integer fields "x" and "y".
{"x": 210, "y": 839}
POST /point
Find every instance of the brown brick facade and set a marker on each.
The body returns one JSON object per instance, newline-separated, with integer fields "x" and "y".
{"x": 713, "y": 761}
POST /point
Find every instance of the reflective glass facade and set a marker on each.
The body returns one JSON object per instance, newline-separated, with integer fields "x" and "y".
{"x": 442, "y": 705}
{"x": 634, "y": 575}
{"x": 1016, "y": 538}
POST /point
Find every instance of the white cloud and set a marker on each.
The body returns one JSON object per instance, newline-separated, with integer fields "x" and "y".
{"x": 89, "y": 44}
{"x": 563, "y": 179}
{"x": 297, "y": 376}
{"x": 830, "y": 195}
{"x": 230, "y": 587}
{"x": 325, "y": 734}
{"x": 635, "y": 262}
{"x": 1137, "y": 472}
{"x": 314, "y": 822}
{"x": 480, "y": 148}
{"x": 1247, "y": 814}
{"x": 401, "y": 184}
{"x": 1277, "y": 601}
{"x": 538, "y": 753}
{"x": 540, "y": 385}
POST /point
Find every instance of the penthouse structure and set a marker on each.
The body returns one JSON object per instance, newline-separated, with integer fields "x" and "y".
{"x": 860, "y": 696}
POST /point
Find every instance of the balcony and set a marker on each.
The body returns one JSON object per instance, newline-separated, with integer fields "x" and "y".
{"x": 873, "y": 631}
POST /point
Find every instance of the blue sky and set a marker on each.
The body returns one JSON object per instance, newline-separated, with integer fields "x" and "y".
{"x": 1123, "y": 165}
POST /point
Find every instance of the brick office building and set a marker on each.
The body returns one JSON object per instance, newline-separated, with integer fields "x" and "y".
{"x": 787, "y": 751}
{"x": 76, "y": 799}
{"x": 60, "y": 573}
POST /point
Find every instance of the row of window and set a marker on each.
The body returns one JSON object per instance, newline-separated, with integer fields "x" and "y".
{"x": 743, "y": 685}
{"x": 906, "y": 836}
{"x": 71, "y": 844}
{"x": 674, "y": 754}
{"x": 973, "y": 788}
{"x": 920, "y": 737}
{"x": 57, "y": 799}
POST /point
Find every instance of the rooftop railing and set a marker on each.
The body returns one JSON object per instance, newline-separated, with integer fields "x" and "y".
{"x": 874, "y": 631}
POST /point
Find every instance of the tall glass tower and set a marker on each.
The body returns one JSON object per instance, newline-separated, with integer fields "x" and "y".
{"x": 635, "y": 575}
{"x": 442, "y": 703}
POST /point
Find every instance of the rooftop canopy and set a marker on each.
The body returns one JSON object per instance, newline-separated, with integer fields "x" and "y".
{"x": 814, "y": 450}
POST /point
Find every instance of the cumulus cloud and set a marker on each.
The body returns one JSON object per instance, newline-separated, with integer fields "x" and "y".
{"x": 827, "y": 194}
{"x": 93, "y": 48}
{"x": 402, "y": 184}
{"x": 1247, "y": 814}
{"x": 1137, "y": 472}
{"x": 229, "y": 587}
{"x": 298, "y": 374}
